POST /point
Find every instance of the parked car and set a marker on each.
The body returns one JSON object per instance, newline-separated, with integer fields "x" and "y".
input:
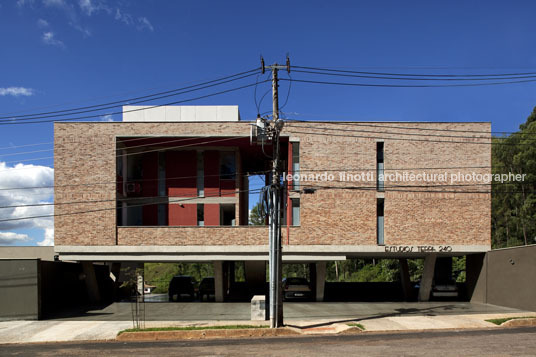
{"x": 206, "y": 288}
{"x": 296, "y": 288}
{"x": 182, "y": 287}
{"x": 445, "y": 289}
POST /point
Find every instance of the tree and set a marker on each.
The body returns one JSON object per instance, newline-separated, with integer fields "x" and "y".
{"x": 514, "y": 203}
{"x": 255, "y": 216}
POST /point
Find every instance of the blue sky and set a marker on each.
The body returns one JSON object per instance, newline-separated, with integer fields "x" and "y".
{"x": 58, "y": 54}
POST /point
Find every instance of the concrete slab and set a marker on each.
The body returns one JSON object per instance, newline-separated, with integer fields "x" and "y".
{"x": 309, "y": 318}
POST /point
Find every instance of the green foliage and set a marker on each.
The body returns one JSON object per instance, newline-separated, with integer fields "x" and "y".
{"x": 371, "y": 270}
{"x": 458, "y": 269}
{"x": 503, "y": 320}
{"x": 255, "y": 217}
{"x": 514, "y": 203}
{"x": 356, "y": 325}
{"x": 296, "y": 271}
{"x": 160, "y": 274}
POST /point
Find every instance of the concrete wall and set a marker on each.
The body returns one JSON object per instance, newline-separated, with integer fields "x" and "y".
{"x": 20, "y": 289}
{"x": 506, "y": 278}
{"x": 85, "y": 153}
{"x": 43, "y": 253}
{"x": 174, "y": 113}
{"x": 31, "y": 289}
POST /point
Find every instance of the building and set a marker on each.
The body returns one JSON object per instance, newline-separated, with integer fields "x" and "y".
{"x": 171, "y": 184}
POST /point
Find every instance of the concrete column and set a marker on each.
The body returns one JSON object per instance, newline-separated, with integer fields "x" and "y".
{"x": 92, "y": 286}
{"x": 255, "y": 272}
{"x": 320, "y": 280}
{"x": 115, "y": 271}
{"x": 405, "y": 279}
{"x": 427, "y": 277}
{"x": 218, "y": 281}
{"x": 476, "y": 277}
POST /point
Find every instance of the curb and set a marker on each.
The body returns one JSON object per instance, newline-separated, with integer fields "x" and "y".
{"x": 204, "y": 334}
{"x": 530, "y": 321}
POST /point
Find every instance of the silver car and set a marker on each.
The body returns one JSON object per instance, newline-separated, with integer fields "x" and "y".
{"x": 296, "y": 288}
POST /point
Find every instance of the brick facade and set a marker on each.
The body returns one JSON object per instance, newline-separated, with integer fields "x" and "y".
{"x": 85, "y": 153}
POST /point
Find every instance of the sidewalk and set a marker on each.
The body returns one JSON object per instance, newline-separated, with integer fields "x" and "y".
{"x": 56, "y": 331}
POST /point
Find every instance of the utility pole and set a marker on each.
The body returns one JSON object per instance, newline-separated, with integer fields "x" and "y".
{"x": 274, "y": 201}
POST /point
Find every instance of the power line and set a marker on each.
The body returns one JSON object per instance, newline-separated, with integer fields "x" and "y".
{"x": 419, "y": 74}
{"x": 405, "y": 139}
{"x": 367, "y": 123}
{"x": 132, "y": 110}
{"x": 25, "y": 152}
{"x": 115, "y": 207}
{"x": 365, "y": 188}
{"x": 42, "y": 115}
{"x": 409, "y": 134}
{"x": 25, "y": 145}
{"x": 412, "y": 78}
{"x": 153, "y": 150}
{"x": 410, "y": 85}
{"x": 164, "y": 198}
{"x": 256, "y": 173}
{"x": 116, "y": 182}
{"x": 115, "y": 106}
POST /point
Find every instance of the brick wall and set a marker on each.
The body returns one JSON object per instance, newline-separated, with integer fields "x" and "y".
{"x": 85, "y": 153}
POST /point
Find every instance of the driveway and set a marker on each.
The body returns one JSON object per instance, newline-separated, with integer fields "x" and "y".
{"x": 197, "y": 311}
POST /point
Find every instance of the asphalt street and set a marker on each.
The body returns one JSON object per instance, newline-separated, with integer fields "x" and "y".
{"x": 487, "y": 342}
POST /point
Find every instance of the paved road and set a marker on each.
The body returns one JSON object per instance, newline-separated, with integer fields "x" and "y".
{"x": 497, "y": 342}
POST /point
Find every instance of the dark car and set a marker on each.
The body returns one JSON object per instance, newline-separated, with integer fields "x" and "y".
{"x": 181, "y": 287}
{"x": 206, "y": 288}
{"x": 446, "y": 289}
{"x": 296, "y": 288}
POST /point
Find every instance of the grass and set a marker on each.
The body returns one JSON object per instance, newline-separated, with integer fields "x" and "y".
{"x": 356, "y": 325}
{"x": 501, "y": 321}
{"x": 191, "y": 328}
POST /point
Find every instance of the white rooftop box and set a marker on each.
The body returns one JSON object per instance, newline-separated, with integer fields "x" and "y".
{"x": 174, "y": 113}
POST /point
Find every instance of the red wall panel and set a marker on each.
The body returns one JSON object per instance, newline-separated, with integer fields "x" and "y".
{"x": 149, "y": 175}
{"x": 182, "y": 216}
{"x": 181, "y": 164}
{"x": 212, "y": 214}
{"x": 228, "y": 188}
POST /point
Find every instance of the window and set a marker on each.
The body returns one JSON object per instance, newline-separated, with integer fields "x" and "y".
{"x": 200, "y": 214}
{"x": 200, "y": 174}
{"x": 227, "y": 215}
{"x": 380, "y": 215}
{"x": 296, "y": 165}
{"x": 134, "y": 215}
{"x": 227, "y": 165}
{"x": 295, "y": 211}
{"x": 162, "y": 214}
{"x": 379, "y": 166}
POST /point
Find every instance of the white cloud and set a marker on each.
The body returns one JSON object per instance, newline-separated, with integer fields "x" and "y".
{"x": 58, "y": 3}
{"x": 87, "y": 6}
{"x": 107, "y": 117}
{"x": 11, "y": 237}
{"x": 49, "y": 238}
{"x": 21, "y": 3}
{"x": 16, "y": 91}
{"x": 143, "y": 23}
{"x": 27, "y": 176}
{"x": 85, "y": 31}
{"x": 93, "y": 6}
{"x": 42, "y": 23}
{"x": 123, "y": 17}
{"x": 50, "y": 39}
